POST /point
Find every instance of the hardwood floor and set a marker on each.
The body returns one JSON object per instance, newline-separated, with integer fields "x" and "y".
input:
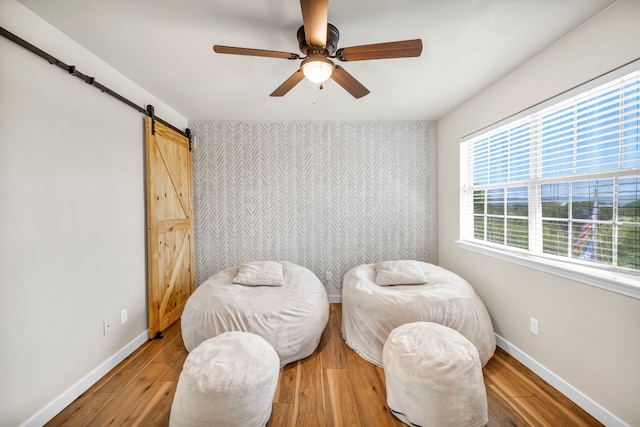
{"x": 332, "y": 387}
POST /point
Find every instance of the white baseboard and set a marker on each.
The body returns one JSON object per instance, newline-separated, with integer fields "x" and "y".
{"x": 580, "y": 399}
{"x": 58, "y": 404}
{"x": 52, "y": 409}
{"x": 335, "y": 299}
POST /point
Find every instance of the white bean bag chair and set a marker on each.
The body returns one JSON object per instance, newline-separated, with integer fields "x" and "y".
{"x": 290, "y": 317}
{"x": 227, "y": 381}
{"x": 371, "y": 311}
{"x": 434, "y": 377}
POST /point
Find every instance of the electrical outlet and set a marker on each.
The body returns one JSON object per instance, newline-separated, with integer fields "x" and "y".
{"x": 124, "y": 316}
{"x": 328, "y": 275}
{"x": 533, "y": 326}
{"x": 106, "y": 326}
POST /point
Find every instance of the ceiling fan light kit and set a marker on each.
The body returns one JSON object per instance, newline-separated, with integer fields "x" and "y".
{"x": 318, "y": 40}
{"x": 317, "y": 69}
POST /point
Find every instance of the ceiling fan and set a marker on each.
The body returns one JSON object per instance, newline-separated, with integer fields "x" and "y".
{"x": 318, "y": 41}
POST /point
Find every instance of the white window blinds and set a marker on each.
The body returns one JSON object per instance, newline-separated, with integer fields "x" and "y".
{"x": 561, "y": 181}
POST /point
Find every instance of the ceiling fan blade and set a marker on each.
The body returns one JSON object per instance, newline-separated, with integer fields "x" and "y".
{"x": 348, "y": 82}
{"x": 254, "y": 52}
{"x": 288, "y": 84}
{"x": 399, "y": 49}
{"x": 314, "y": 18}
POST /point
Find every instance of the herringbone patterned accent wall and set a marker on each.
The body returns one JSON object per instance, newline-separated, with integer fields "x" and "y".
{"x": 325, "y": 195}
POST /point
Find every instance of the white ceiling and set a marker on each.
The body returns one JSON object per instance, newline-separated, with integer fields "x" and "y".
{"x": 165, "y": 46}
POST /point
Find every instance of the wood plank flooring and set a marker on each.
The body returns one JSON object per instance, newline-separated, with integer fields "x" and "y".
{"x": 332, "y": 387}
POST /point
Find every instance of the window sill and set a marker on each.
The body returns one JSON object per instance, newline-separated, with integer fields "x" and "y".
{"x": 622, "y": 283}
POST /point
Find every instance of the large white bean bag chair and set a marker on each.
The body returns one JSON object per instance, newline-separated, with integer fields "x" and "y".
{"x": 290, "y": 317}
{"x": 371, "y": 311}
{"x": 434, "y": 377}
{"x": 227, "y": 381}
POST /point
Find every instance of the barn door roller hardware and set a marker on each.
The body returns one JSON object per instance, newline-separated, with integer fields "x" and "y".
{"x": 151, "y": 114}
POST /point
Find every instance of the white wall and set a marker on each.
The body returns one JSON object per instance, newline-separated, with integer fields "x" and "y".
{"x": 72, "y": 219}
{"x": 589, "y": 337}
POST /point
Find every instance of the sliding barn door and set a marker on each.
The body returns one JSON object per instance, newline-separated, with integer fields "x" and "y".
{"x": 170, "y": 225}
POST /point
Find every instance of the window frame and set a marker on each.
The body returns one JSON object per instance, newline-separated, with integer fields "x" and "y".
{"x": 602, "y": 276}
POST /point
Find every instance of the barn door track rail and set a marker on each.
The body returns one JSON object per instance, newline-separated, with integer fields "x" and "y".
{"x": 72, "y": 70}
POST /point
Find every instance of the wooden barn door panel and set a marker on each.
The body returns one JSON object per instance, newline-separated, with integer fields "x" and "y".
{"x": 170, "y": 225}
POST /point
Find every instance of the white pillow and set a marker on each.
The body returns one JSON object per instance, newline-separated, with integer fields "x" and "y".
{"x": 399, "y": 273}
{"x": 260, "y": 273}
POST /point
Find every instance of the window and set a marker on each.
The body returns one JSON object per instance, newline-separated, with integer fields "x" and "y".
{"x": 559, "y": 184}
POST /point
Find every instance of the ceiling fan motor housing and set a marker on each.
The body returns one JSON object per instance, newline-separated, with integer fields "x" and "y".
{"x": 332, "y": 42}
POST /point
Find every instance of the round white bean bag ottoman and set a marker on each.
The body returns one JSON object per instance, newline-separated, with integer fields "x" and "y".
{"x": 290, "y": 317}
{"x": 371, "y": 311}
{"x": 229, "y": 380}
{"x": 434, "y": 377}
